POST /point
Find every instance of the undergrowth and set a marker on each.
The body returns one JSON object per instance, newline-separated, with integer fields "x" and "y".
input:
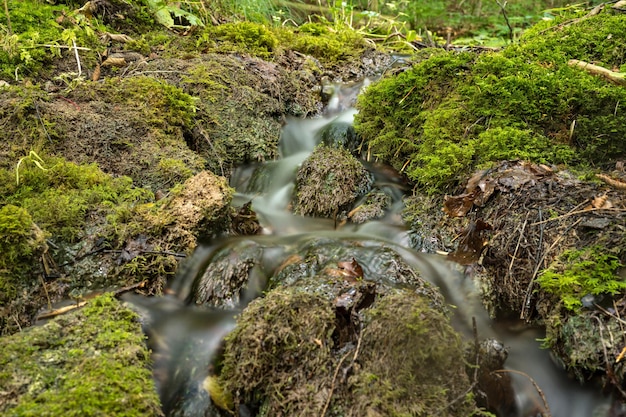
{"x": 577, "y": 273}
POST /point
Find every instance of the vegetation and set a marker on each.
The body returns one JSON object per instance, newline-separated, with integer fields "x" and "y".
{"x": 328, "y": 182}
{"x": 454, "y": 112}
{"x": 580, "y": 273}
{"x": 286, "y": 346}
{"x": 90, "y": 362}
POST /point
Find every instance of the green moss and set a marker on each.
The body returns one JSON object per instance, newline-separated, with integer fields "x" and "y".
{"x": 60, "y": 197}
{"x": 598, "y": 39}
{"x": 329, "y": 46}
{"x": 36, "y": 36}
{"x": 428, "y": 379}
{"x": 92, "y": 362}
{"x": 329, "y": 181}
{"x": 247, "y": 37}
{"x": 272, "y": 352}
{"x": 452, "y": 113}
{"x": 15, "y": 229}
{"x": 20, "y": 240}
{"x": 577, "y": 273}
{"x": 161, "y": 104}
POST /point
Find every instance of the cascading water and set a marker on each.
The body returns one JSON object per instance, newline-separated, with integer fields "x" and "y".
{"x": 187, "y": 338}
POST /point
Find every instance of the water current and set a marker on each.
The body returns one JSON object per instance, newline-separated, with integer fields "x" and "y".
{"x": 186, "y": 338}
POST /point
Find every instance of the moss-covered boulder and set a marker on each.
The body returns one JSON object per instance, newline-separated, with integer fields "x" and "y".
{"x": 91, "y": 362}
{"x": 293, "y": 354}
{"x": 453, "y": 112}
{"x": 328, "y": 182}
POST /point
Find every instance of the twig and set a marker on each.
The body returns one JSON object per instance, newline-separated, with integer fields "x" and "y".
{"x": 6, "y": 12}
{"x": 15, "y": 318}
{"x": 608, "y": 370}
{"x": 80, "y": 70}
{"x": 521, "y": 234}
{"x": 571, "y": 213}
{"x": 41, "y": 121}
{"x": 43, "y": 283}
{"x": 618, "y": 78}
{"x": 546, "y": 412}
{"x": 332, "y": 384}
{"x": 506, "y": 18}
{"x": 60, "y": 311}
{"x": 526, "y": 305}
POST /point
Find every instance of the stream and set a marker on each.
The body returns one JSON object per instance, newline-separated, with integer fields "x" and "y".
{"x": 185, "y": 338}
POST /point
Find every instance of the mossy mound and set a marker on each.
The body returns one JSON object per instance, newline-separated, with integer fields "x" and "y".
{"x": 92, "y": 362}
{"x": 329, "y": 47}
{"x": 103, "y": 123}
{"x": 328, "y": 182}
{"x": 418, "y": 372}
{"x": 287, "y": 351}
{"x": 241, "y": 104}
{"x": 101, "y": 232}
{"x": 543, "y": 246}
{"x": 453, "y": 112}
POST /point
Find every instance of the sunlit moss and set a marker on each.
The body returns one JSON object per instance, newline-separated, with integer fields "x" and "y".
{"x": 90, "y": 362}
{"x": 577, "y": 273}
{"x": 453, "y": 112}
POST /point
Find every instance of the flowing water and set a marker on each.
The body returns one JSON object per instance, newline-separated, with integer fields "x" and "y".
{"x": 186, "y": 338}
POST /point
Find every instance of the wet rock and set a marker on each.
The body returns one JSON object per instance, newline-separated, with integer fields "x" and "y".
{"x": 328, "y": 182}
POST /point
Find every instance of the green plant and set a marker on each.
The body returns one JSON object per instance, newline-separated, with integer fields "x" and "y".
{"x": 31, "y": 157}
{"x": 577, "y": 273}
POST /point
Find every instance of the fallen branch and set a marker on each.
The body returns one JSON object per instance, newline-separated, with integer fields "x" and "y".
{"x": 546, "y": 412}
{"x": 618, "y": 78}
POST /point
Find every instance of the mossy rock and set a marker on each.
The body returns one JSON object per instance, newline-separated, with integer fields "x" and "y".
{"x": 21, "y": 244}
{"x": 283, "y": 354}
{"x": 329, "y": 182}
{"x": 418, "y": 371}
{"x": 91, "y": 362}
{"x": 454, "y": 112}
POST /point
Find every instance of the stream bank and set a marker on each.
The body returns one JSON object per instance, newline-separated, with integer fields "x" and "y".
{"x": 155, "y": 124}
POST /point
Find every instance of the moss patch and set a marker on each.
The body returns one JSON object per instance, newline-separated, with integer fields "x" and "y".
{"x": 328, "y": 182}
{"x": 91, "y": 362}
{"x": 579, "y": 273}
{"x": 454, "y": 112}
{"x": 282, "y": 356}
{"x": 418, "y": 371}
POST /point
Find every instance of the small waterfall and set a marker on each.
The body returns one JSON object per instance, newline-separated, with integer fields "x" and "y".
{"x": 187, "y": 337}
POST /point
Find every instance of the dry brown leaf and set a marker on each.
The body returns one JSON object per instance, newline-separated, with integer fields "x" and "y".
{"x": 458, "y": 206}
{"x": 471, "y": 244}
{"x": 601, "y": 202}
{"x": 114, "y": 62}
{"x": 351, "y": 268}
{"x": 96, "y": 73}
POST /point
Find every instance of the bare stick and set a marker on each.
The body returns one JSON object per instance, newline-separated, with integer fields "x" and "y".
{"x": 80, "y": 71}
{"x": 543, "y": 397}
{"x": 46, "y": 291}
{"x": 618, "y": 78}
{"x": 506, "y": 19}
{"x": 521, "y": 234}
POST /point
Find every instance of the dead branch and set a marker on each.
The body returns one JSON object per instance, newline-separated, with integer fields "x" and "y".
{"x": 60, "y": 311}
{"x": 616, "y": 183}
{"x": 547, "y": 412}
{"x": 618, "y": 78}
